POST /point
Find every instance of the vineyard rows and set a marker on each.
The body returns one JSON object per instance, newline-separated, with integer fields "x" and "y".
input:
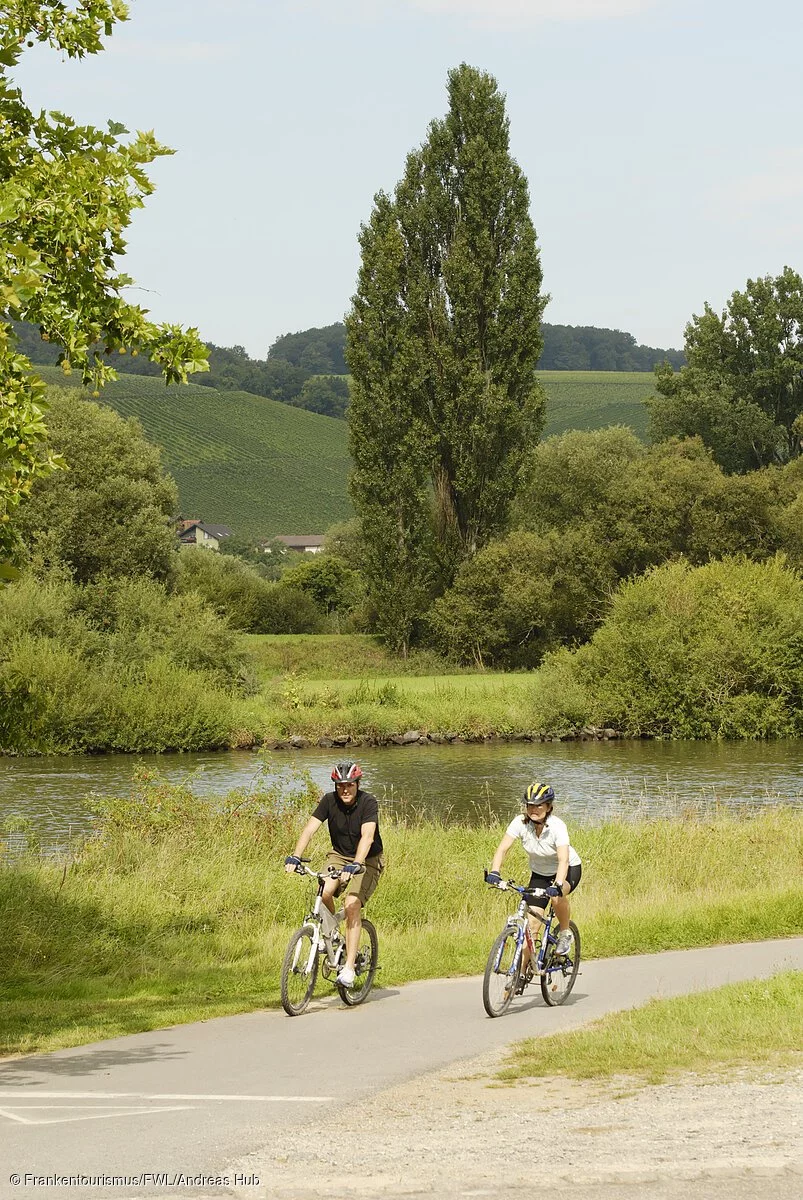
{"x": 266, "y": 468}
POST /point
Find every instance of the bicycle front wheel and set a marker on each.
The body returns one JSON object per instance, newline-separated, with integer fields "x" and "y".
{"x": 364, "y": 968}
{"x": 501, "y": 972}
{"x": 560, "y": 971}
{"x": 299, "y": 971}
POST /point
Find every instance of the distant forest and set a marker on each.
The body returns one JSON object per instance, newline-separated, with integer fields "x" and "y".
{"x": 308, "y": 369}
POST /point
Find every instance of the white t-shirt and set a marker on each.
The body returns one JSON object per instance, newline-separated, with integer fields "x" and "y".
{"x": 543, "y": 851}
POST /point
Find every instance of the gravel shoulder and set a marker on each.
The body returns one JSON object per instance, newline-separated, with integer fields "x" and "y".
{"x": 458, "y": 1133}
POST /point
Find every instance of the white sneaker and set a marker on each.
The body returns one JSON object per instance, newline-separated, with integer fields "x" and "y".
{"x": 565, "y": 942}
{"x": 346, "y": 977}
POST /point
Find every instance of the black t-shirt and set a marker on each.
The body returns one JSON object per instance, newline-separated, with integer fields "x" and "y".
{"x": 346, "y": 821}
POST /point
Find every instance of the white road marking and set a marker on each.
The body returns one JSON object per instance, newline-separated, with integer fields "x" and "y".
{"x": 12, "y": 1117}
{"x": 81, "y": 1113}
{"x": 33, "y": 1093}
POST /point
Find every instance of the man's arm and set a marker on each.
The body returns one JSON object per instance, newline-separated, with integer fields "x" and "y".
{"x": 367, "y": 834}
{"x": 311, "y": 827}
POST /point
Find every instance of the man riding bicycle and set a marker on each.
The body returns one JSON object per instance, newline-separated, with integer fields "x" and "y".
{"x": 357, "y": 852}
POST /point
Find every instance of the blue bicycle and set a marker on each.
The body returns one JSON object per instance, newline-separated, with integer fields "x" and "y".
{"x": 504, "y": 977}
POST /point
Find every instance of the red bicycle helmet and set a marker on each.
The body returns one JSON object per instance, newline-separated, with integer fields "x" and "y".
{"x": 347, "y": 772}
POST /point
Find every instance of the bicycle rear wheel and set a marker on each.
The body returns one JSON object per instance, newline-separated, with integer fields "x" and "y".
{"x": 299, "y": 971}
{"x": 364, "y": 967}
{"x": 560, "y": 971}
{"x": 501, "y": 972}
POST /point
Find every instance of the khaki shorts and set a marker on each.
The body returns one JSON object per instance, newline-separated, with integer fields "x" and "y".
{"x": 364, "y": 884}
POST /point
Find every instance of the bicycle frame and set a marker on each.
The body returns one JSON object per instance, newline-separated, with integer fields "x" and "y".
{"x": 328, "y": 944}
{"x": 524, "y": 935}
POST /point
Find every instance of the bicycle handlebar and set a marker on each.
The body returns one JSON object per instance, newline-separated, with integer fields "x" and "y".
{"x": 330, "y": 872}
{"x": 510, "y": 885}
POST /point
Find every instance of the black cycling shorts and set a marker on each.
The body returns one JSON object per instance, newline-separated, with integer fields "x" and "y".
{"x": 545, "y": 881}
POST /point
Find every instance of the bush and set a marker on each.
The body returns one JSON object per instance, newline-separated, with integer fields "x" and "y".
{"x": 115, "y": 666}
{"x": 713, "y": 651}
{"x": 247, "y": 601}
{"x": 521, "y": 596}
{"x": 171, "y": 709}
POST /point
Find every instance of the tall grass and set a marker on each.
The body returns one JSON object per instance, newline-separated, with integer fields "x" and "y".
{"x": 332, "y": 656}
{"x": 180, "y": 909}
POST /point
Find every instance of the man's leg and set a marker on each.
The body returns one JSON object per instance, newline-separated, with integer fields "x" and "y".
{"x": 360, "y": 889}
{"x": 353, "y": 907}
{"x": 329, "y": 890}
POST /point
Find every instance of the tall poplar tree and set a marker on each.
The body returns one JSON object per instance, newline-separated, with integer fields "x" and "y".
{"x": 443, "y": 340}
{"x": 390, "y": 445}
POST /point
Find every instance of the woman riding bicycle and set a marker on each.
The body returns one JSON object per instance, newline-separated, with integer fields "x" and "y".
{"x": 554, "y": 863}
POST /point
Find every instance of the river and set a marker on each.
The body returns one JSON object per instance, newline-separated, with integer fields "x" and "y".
{"x": 592, "y": 780}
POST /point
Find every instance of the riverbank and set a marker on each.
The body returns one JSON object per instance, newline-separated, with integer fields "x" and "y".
{"x": 294, "y": 711}
{"x": 288, "y": 693}
{"x": 180, "y": 910}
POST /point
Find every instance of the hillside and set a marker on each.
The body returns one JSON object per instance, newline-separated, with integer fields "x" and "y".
{"x": 264, "y": 468}
{"x": 308, "y": 369}
{"x": 594, "y": 399}
{"x": 241, "y": 460}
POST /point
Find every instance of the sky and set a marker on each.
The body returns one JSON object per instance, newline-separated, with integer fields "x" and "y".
{"x": 662, "y": 142}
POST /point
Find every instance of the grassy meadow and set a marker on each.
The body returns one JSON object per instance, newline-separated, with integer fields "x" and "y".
{"x": 328, "y": 656}
{"x": 348, "y": 685}
{"x": 265, "y": 468}
{"x": 180, "y": 909}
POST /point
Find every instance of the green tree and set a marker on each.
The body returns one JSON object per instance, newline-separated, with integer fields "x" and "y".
{"x": 645, "y": 505}
{"x": 597, "y": 508}
{"x": 249, "y": 602}
{"x": 316, "y": 350}
{"x": 390, "y": 443}
{"x": 742, "y": 388}
{"x": 110, "y": 512}
{"x": 521, "y": 596}
{"x": 325, "y": 394}
{"x": 67, "y": 193}
{"x": 333, "y": 585}
{"x": 449, "y": 300}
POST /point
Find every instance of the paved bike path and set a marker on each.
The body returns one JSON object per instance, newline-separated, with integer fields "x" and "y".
{"x": 195, "y": 1099}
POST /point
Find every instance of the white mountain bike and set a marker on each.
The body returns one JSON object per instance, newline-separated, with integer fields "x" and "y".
{"x": 319, "y": 942}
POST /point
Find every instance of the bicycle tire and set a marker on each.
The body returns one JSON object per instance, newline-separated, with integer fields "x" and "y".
{"x": 501, "y": 978}
{"x": 298, "y": 976}
{"x": 365, "y": 967}
{"x": 560, "y": 973}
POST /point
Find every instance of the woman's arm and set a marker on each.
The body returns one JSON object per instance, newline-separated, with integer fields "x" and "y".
{"x": 563, "y": 865}
{"x": 501, "y": 850}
